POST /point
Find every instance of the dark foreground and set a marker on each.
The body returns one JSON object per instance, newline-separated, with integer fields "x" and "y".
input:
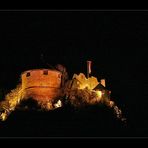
{"x": 64, "y": 122}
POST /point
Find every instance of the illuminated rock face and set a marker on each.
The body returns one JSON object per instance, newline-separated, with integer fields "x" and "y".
{"x": 41, "y": 84}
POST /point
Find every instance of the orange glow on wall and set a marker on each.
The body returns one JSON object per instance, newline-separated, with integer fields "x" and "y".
{"x": 41, "y": 84}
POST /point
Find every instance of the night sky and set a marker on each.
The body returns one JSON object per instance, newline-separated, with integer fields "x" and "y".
{"x": 115, "y": 41}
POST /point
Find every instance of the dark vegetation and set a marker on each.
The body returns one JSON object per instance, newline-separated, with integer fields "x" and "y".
{"x": 28, "y": 120}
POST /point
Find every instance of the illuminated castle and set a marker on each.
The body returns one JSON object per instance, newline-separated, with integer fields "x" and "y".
{"x": 41, "y": 84}
{"x": 51, "y": 89}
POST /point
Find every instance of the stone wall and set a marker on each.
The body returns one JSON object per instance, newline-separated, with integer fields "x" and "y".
{"x": 41, "y": 84}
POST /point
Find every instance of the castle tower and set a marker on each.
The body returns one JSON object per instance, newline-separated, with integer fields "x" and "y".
{"x": 41, "y": 84}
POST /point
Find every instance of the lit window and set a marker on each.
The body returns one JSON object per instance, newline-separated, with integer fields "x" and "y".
{"x": 45, "y": 72}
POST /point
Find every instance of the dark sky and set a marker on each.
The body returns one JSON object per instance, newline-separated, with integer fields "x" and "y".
{"x": 112, "y": 40}
{"x": 116, "y": 42}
